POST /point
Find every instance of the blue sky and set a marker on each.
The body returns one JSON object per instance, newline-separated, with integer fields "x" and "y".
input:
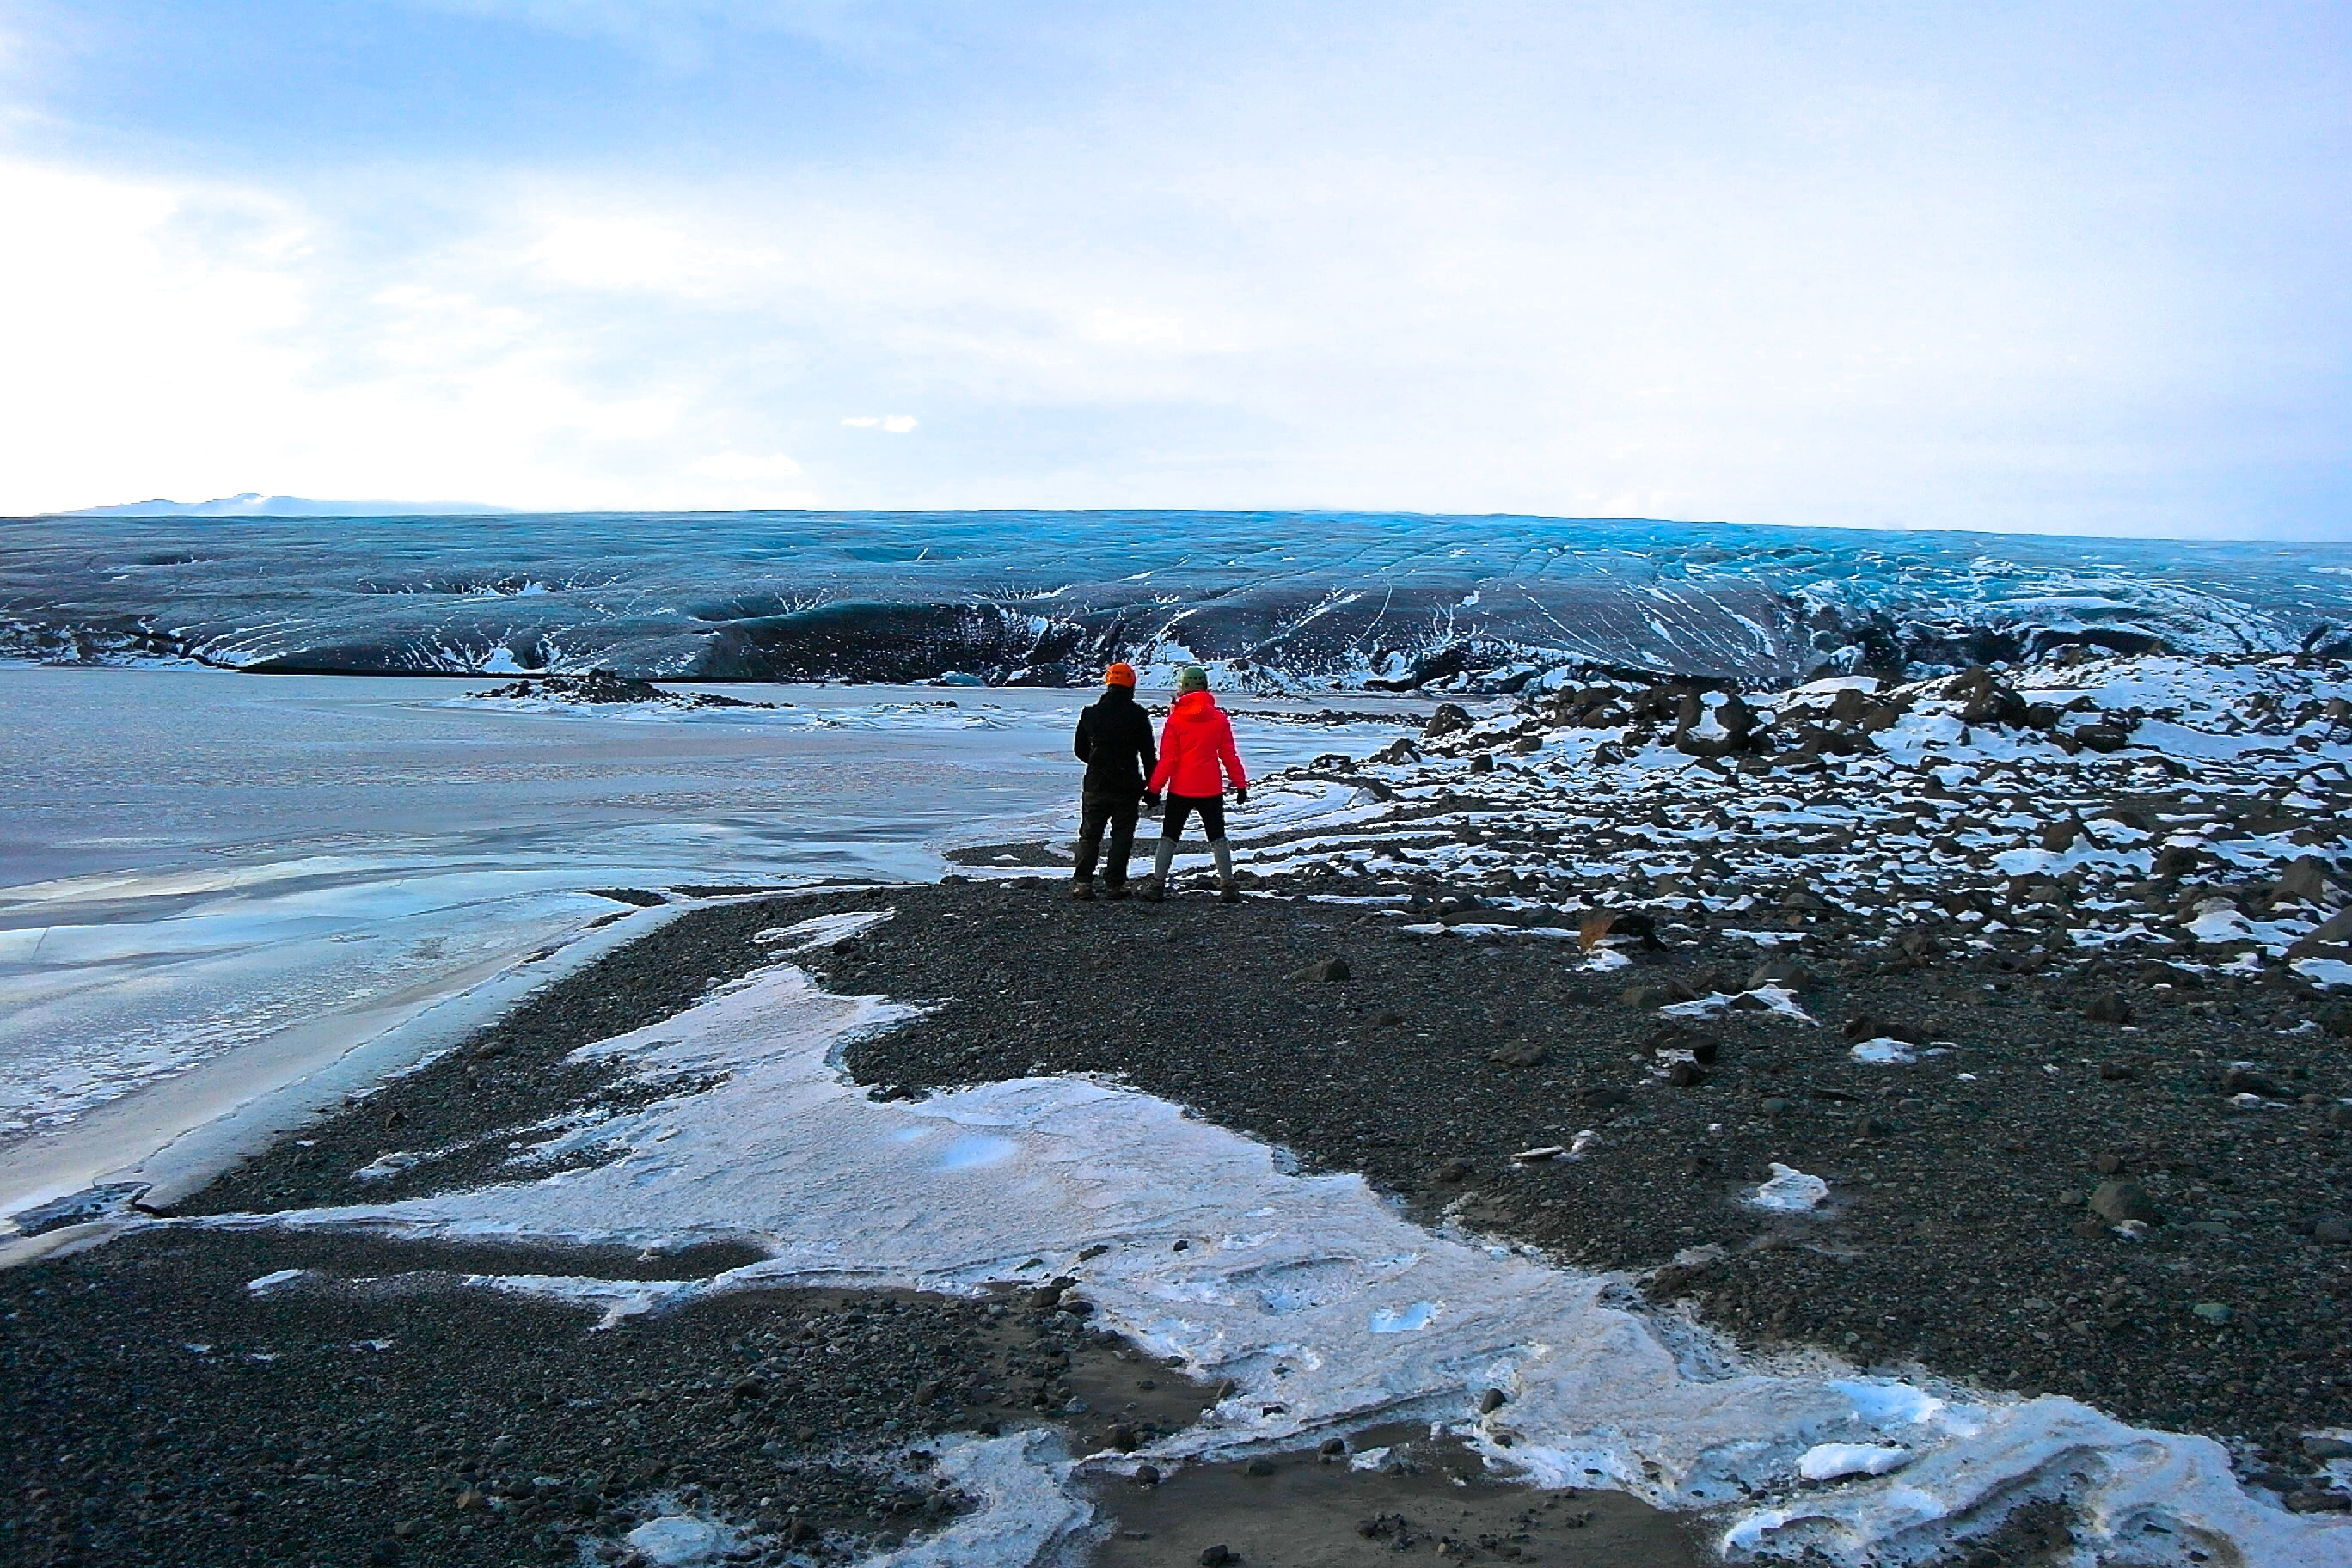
{"x": 2067, "y": 267}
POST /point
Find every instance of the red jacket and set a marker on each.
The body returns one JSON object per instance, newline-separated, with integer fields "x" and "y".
{"x": 1194, "y": 743}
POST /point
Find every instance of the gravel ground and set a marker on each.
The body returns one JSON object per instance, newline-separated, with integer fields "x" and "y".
{"x": 377, "y": 1412}
{"x": 1392, "y": 1490}
{"x": 1958, "y": 1237}
{"x": 417, "y": 1421}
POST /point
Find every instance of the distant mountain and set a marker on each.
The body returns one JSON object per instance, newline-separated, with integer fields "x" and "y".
{"x": 253, "y": 504}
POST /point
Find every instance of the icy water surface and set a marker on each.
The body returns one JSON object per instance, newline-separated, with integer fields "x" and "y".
{"x": 197, "y": 861}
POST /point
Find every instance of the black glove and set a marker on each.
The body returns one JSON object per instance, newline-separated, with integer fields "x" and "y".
{"x": 1150, "y": 800}
{"x": 1241, "y": 796}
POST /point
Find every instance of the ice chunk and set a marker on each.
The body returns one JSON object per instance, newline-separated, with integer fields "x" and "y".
{"x": 1833, "y": 1461}
{"x": 1402, "y": 1320}
{"x": 1026, "y": 1512}
{"x": 683, "y": 1540}
{"x": 1885, "y": 1050}
{"x": 1790, "y": 1190}
{"x": 807, "y": 936}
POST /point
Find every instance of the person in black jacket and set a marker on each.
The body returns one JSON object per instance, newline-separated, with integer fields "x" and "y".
{"x": 1115, "y": 742}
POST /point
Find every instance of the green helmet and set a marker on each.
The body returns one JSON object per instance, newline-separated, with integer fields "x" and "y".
{"x": 1192, "y": 677}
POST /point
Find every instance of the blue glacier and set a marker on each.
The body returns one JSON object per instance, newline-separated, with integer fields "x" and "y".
{"x": 1297, "y": 601}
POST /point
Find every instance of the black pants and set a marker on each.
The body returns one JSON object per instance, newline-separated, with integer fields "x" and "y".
{"x": 1212, "y": 808}
{"x": 1096, "y": 813}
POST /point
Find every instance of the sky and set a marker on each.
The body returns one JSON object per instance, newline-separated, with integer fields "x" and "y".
{"x": 2041, "y": 266}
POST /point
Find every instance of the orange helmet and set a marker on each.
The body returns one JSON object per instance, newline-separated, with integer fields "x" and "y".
{"x": 1120, "y": 675}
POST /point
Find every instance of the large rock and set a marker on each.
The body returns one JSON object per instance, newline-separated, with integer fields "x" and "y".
{"x": 1323, "y": 969}
{"x": 2109, "y": 1008}
{"x": 2122, "y": 1200}
{"x": 2306, "y": 881}
{"x": 1711, "y": 724}
{"x": 1785, "y": 973}
{"x": 1983, "y": 699}
{"x": 1451, "y": 718}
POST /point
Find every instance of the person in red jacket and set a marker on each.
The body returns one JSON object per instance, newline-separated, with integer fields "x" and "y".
{"x": 1197, "y": 759}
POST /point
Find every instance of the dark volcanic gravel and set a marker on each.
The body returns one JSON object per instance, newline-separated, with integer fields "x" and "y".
{"x": 1958, "y": 1237}
{"x": 158, "y": 1412}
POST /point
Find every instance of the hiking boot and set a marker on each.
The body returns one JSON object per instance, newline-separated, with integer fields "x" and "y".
{"x": 1114, "y": 890}
{"x": 1082, "y": 888}
{"x": 1229, "y": 894}
{"x": 1153, "y": 890}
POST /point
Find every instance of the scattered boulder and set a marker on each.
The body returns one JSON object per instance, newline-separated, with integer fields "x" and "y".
{"x": 1484, "y": 762}
{"x": 1521, "y": 1054}
{"x": 1600, "y": 925}
{"x": 2061, "y": 835}
{"x": 2244, "y": 1079}
{"x": 2305, "y": 881}
{"x": 2109, "y": 1008}
{"x": 2120, "y": 1200}
{"x": 1711, "y": 724}
{"x": 604, "y": 686}
{"x": 1654, "y": 994}
{"x": 1323, "y": 969}
{"x": 1450, "y": 719}
{"x": 1983, "y": 699}
{"x": 1785, "y": 973}
{"x": 2102, "y": 737}
{"x": 2332, "y": 934}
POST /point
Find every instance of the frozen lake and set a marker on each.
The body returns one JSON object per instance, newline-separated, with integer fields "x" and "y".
{"x": 252, "y": 875}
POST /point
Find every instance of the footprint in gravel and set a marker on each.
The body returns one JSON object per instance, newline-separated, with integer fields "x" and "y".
{"x": 1386, "y": 1492}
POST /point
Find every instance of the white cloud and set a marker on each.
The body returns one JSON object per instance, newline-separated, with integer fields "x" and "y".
{"x": 1546, "y": 259}
{"x": 743, "y": 466}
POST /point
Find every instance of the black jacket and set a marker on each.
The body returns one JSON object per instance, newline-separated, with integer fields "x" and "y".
{"x": 1115, "y": 742}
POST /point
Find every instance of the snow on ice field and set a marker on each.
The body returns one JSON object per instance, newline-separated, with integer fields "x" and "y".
{"x": 214, "y": 883}
{"x": 1324, "y": 1308}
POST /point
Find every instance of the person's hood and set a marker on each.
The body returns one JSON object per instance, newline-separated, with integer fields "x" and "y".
{"x": 1116, "y": 694}
{"x": 1193, "y": 705}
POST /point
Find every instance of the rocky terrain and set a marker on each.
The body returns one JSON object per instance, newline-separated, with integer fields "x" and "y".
{"x": 165, "y": 1409}
{"x": 1981, "y": 1031}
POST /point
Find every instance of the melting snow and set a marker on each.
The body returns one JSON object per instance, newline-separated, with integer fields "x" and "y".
{"x": 1403, "y": 1325}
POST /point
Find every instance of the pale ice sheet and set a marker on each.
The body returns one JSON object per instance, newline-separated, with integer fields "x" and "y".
{"x": 200, "y": 862}
{"x": 1324, "y": 1306}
